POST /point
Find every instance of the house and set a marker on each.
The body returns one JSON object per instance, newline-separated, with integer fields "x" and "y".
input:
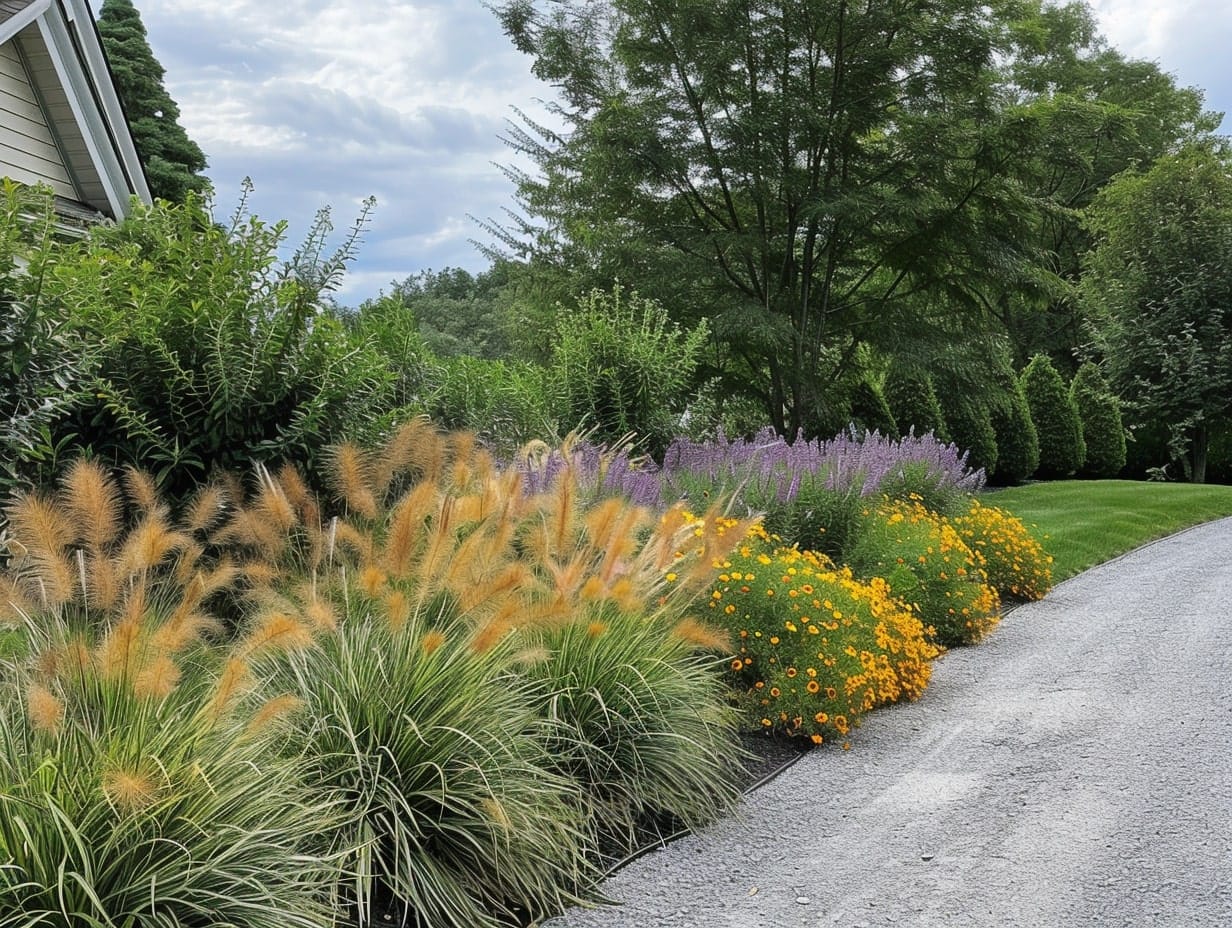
{"x": 61, "y": 122}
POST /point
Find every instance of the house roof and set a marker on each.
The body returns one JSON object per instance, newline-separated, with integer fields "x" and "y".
{"x": 10, "y": 8}
{"x": 59, "y": 46}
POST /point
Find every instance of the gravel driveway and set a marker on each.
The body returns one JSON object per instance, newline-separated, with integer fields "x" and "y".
{"x": 1073, "y": 770}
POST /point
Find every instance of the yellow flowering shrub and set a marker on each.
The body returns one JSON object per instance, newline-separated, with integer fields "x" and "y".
{"x": 928, "y": 565}
{"x": 816, "y": 648}
{"x": 1015, "y": 561}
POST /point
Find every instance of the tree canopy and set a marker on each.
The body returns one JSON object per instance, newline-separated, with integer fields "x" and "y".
{"x": 173, "y": 162}
{"x": 815, "y": 175}
{"x": 1158, "y": 288}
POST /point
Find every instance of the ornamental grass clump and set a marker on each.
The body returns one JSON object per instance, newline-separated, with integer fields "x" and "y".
{"x": 1015, "y": 562}
{"x": 491, "y": 651}
{"x": 631, "y": 683}
{"x": 138, "y": 781}
{"x": 926, "y": 564}
{"x": 414, "y": 721}
{"x": 816, "y": 647}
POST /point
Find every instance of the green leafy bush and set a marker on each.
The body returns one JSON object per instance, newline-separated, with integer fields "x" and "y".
{"x": 622, "y": 366}
{"x": 1062, "y": 450}
{"x": 211, "y": 354}
{"x": 1102, "y": 430}
{"x": 912, "y": 399}
{"x": 44, "y": 363}
{"x": 930, "y": 567}
{"x": 506, "y": 403}
{"x": 389, "y": 327}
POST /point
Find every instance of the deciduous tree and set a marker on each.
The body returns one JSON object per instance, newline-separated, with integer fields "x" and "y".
{"x": 1158, "y": 288}
{"x": 812, "y": 175}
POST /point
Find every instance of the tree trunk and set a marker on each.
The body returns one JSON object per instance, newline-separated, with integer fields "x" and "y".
{"x": 1201, "y": 439}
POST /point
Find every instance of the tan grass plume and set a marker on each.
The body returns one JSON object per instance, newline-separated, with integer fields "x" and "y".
{"x": 93, "y": 501}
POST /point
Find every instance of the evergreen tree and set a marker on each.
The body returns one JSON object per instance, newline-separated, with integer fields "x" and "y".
{"x": 970, "y": 426}
{"x": 912, "y": 399}
{"x": 1018, "y": 448}
{"x": 869, "y": 411}
{"x": 1062, "y": 450}
{"x": 173, "y": 162}
{"x": 1102, "y": 430}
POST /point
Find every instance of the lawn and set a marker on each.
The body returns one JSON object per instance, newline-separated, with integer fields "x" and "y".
{"x": 1086, "y": 522}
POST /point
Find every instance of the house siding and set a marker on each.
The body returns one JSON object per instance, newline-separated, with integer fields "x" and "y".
{"x": 28, "y": 151}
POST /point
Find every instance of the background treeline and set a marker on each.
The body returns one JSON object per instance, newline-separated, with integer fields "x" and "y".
{"x": 987, "y": 224}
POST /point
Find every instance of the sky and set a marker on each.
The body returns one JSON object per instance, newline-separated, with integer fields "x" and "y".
{"x": 326, "y": 102}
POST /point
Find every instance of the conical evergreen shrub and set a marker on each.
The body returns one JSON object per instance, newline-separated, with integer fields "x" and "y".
{"x": 869, "y": 411}
{"x": 1102, "y": 429}
{"x": 913, "y": 401}
{"x": 970, "y": 427}
{"x": 1062, "y": 450}
{"x": 1018, "y": 450}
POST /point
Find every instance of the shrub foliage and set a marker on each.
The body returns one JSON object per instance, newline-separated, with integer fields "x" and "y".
{"x": 912, "y": 399}
{"x": 1062, "y": 450}
{"x": 1102, "y": 430}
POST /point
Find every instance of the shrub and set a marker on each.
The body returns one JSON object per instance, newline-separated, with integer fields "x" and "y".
{"x": 506, "y": 403}
{"x": 136, "y": 766}
{"x": 970, "y": 426}
{"x": 211, "y": 354}
{"x": 927, "y": 564}
{"x": 1018, "y": 450}
{"x": 1014, "y": 561}
{"x": 912, "y": 399}
{"x": 46, "y": 364}
{"x": 816, "y": 647}
{"x": 1100, "y": 415}
{"x": 623, "y": 367}
{"x": 1062, "y": 450}
{"x": 870, "y": 412}
{"x": 389, "y": 327}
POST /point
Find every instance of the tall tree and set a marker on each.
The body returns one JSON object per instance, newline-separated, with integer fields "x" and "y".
{"x": 812, "y": 174}
{"x": 173, "y": 162}
{"x": 1102, "y": 114}
{"x": 1158, "y": 288}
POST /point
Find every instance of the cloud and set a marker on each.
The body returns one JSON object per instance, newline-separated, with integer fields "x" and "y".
{"x": 329, "y": 102}
{"x": 1188, "y": 38}
{"x": 326, "y": 103}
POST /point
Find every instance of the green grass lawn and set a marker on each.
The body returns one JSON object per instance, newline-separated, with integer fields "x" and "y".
{"x": 1088, "y": 522}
